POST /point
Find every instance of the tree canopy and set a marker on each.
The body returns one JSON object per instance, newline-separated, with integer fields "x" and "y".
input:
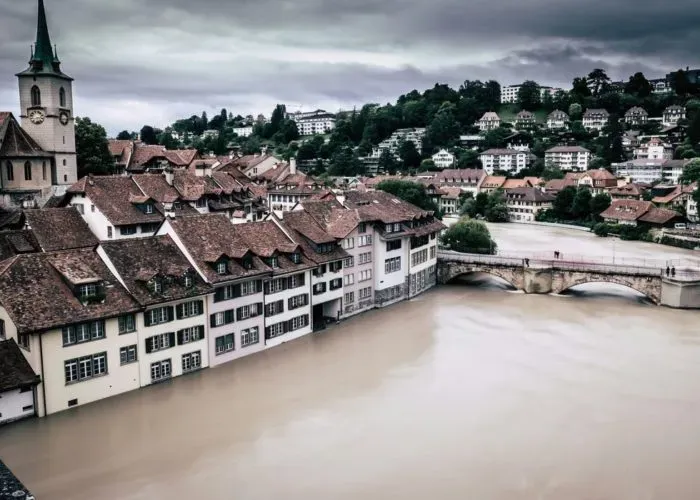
{"x": 411, "y": 192}
{"x": 92, "y": 150}
{"x": 469, "y": 236}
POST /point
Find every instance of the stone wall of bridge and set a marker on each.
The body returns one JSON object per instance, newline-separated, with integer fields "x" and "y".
{"x": 514, "y": 275}
{"x": 650, "y": 286}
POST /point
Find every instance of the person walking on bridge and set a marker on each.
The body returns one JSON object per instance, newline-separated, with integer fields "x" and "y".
{"x": 668, "y": 271}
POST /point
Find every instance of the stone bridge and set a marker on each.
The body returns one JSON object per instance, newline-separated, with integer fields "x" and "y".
{"x": 535, "y": 274}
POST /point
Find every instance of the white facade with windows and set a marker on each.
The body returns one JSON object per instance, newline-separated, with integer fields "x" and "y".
{"x": 16, "y": 404}
{"x": 509, "y": 93}
{"x": 317, "y": 122}
{"x": 243, "y": 131}
{"x": 285, "y": 317}
{"x": 508, "y": 160}
{"x": 573, "y": 158}
{"x": 391, "y": 265}
{"x": 443, "y": 159}
{"x": 422, "y": 270}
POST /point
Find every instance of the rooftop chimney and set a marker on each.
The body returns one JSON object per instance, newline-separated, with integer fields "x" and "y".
{"x": 168, "y": 176}
{"x": 292, "y": 166}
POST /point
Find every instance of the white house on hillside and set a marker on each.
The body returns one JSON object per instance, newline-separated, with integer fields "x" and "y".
{"x": 443, "y": 159}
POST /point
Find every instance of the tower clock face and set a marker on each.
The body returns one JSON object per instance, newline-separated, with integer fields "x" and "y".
{"x": 36, "y": 116}
{"x": 64, "y": 118}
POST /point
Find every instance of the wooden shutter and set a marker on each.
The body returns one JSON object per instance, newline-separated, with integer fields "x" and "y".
{"x": 239, "y": 312}
{"x": 267, "y": 287}
{"x": 172, "y": 338}
{"x": 287, "y": 326}
{"x": 179, "y": 337}
{"x": 212, "y": 320}
{"x": 180, "y": 310}
{"x": 258, "y": 286}
{"x": 149, "y": 345}
{"x": 302, "y": 279}
{"x": 236, "y": 291}
{"x": 147, "y": 318}
{"x": 219, "y": 294}
{"x": 200, "y": 332}
{"x": 229, "y": 316}
{"x": 280, "y": 306}
{"x": 199, "y": 307}
{"x": 285, "y": 284}
{"x": 171, "y": 313}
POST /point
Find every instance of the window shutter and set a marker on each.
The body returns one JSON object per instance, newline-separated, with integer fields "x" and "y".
{"x": 280, "y": 306}
{"x": 147, "y": 318}
{"x": 267, "y": 332}
{"x": 149, "y": 345}
{"x": 180, "y": 309}
{"x": 200, "y": 307}
{"x": 219, "y": 295}
{"x": 258, "y": 286}
{"x": 306, "y": 299}
{"x": 238, "y": 313}
{"x": 171, "y": 313}
{"x": 172, "y": 338}
{"x": 267, "y": 287}
{"x": 212, "y": 320}
{"x": 179, "y": 337}
{"x": 228, "y": 316}
{"x": 236, "y": 291}
{"x": 285, "y": 284}
{"x": 287, "y": 326}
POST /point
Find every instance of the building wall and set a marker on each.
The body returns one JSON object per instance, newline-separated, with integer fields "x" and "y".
{"x": 384, "y": 281}
{"x": 16, "y": 404}
{"x": 358, "y": 305}
{"x": 284, "y": 296}
{"x": 423, "y": 276}
{"x": 40, "y": 174}
{"x": 98, "y": 223}
{"x": 174, "y": 354}
{"x": 235, "y": 328}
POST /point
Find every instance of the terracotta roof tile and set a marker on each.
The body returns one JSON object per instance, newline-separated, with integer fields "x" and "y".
{"x": 659, "y": 216}
{"x": 629, "y": 210}
{"x": 60, "y": 229}
{"x": 15, "y": 371}
{"x": 155, "y": 186}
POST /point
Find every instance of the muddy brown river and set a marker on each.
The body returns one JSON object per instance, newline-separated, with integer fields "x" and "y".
{"x": 470, "y": 391}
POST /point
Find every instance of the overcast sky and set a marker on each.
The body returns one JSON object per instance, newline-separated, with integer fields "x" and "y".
{"x": 151, "y": 61}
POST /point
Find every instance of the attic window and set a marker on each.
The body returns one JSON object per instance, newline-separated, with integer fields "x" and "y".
{"x": 157, "y": 286}
{"x": 247, "y": 263}
{"x": 188, "y": 281}
{"x": 296, "y": 257}
{"x": 148, "y": 209}
{"x": 221, "y": 268}
{"x": 87, "y": 291}
{"x": 274, "y": 262}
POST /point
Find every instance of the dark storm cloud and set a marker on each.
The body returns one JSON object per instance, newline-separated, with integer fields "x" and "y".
{"x": 151, "y": 60}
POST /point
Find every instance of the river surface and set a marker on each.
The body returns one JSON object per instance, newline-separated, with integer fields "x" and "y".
{"x": 467, "y": 392}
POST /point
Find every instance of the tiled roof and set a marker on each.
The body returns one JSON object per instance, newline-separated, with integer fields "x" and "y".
{"x": 515, "y": 184}
{"x": 35, "y": 290}
{"x": 568, "y": 149}
{"x": 156, "y": 187}
{"x": 139, "y": 260}
{"x": 15, "y": 142}
{"x": 11, "y": 487}
{"x": 658, "y": 216}
{"x": 16, "y": 242}
{"x": 534, "y": 181}
{"x": 192, "y": 187}
{"x": 111, "y": 195}
{"x": 557, "y": 115}
{"x": 629, "y": 210}
{"x": 636, "y": 110}
{"x": 525, "y": 115}
{"x": 600, "y": 174}
{"x": 662, "y": 200}
{"x": 15, "y": 371}
{"x": 590, "y": 112}
{"x": 493, "y": 181}
{"x": 227, "y": 182}
{"x": 383, "y": 207}
{"x": 501, "y": 152}
{"x": 60, "y": 229}
{"x": 559, "y": 184}
{"x": 451, "y": 192}
{"x": 208, "y": 238}
{"x": 305, "y": 224}
{"x": 468, "y": 175}
{"x": 117, "y": 147}
{"x": 490, "y": 115}
{"x": 529, "y": 194}
{"x": 630, "y": 189}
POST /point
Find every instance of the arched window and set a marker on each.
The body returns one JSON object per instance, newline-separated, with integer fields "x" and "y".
{"x": 62, "y": 97}
{"x": 10, "y": 171}
{"x": 36, "y": 96}
{"x": 28, "y": 171}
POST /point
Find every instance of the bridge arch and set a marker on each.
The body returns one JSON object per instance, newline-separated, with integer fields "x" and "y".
{"x": 648, "y": 286}
{"x": 513, "y": 277}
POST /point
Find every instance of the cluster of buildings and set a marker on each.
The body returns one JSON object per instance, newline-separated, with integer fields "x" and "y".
{"x": 392, "y": 144}
{"x": 509, "y": 93}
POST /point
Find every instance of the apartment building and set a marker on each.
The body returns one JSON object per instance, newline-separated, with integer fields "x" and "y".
{"x": 595, "y": 119}
{"x": 672, "y": 114}
{"x": 467, "y": 179}
{"x": 525, "y": 203}
{"x": 509, "y": 93}
{"x": 443, "y": 159}
{"x": 245, "y": 131}
{"x": 315, "y": 122}
{"x": 524, "y": 120}
{"x": 219, "y": 253}
{"x": 449, "y": 201}
{"x": 573, "y": 158}
{"x": 489, "y": 121}
{"x": 636, "y": 116}
{"x": 653, "y": 149}
{"x": 507, "y": 160}
{"x": 557, "y": 120}
{"x": 640, "y": 171}
{"x": 169, "y": 338}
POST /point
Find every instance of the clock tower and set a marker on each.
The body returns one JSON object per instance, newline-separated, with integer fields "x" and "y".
{"x": 46, "y": 106}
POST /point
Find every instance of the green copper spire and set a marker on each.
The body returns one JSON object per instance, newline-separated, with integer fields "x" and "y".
{"x": 43, "y": 52}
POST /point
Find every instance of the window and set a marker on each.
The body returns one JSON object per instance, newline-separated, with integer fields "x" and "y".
{"x": 319, "y": 288}
{"x": 419, "y": 257}
{"x": 221, "y": 268}
{"x": 161, "y": 370}
{"x": 365, "y": 275}
{"x": 224, "y": 343}
{"x": 362, "y": 227}
{"x": 335, "y": 284}
{"x": 274, "y": 263}
{"x": 249, "y": 311}
{"x": 320, "y": 271}
{"x": 148, "y": 209}
{"x": 159, "y": 316}
{"x": 149, "y": 228}
{"x": 43, "y": 175}
{"x": 62, "y": 97}
{"x": 28, "y": 171}
{"x": 192, "y": 334}
{"x": 392, "y": 265}
{"x": 298, "y": 301}
{"x": 190, "y": 309}
{"x": 84, "y": 368}
{"x": 84, "y": 332}
{"x": 23, "y": 341}
{"x": 295, "y": 257}
{"x": 365, "y": 258}
{"x": 277, "y": 285}
{"x": 349, "y": 262}
{"x": 128, "y": 355}
{"x": 188, "y": 281}
{"x": 191, "y": 361}
{"x": 349, "y": 279}
{"x": 364, "y": 241}
{"x": 274, "y": 308}
{"x": 275, "y": 330}
{"x": 10, "y": 171}
{"x": 87, "y": 291}
{"x": 433, "y": 252}
{"x": 160, "y": 342}
{"x": 250, "y": 288}
{"x": 350, "y": 297}
{"x": 109, "y": 232}
{"x": 348, "y": 243}
{"x": 250, "y": 336}
{"x": 334, "y": 267}
{"x": 393, "y": 245}
{"x": 222, "y": 318}
{"x": 157, "y": 285}
{"x": 201, "y": 203}
{"x": 296, "y": 281}
{"x": 298, "y": 322}
{"x": 125, "y": 230}
{"x": 365, "y": 293}
{"x": 36, "y": 96}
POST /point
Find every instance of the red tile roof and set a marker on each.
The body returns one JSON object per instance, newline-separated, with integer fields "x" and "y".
{"x": 60, "y": 229}
{"x": 15, "y": 142}
{"x": 627, "y": 210}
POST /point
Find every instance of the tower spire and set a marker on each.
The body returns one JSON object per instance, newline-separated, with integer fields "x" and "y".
{"x": 43, "y": 51}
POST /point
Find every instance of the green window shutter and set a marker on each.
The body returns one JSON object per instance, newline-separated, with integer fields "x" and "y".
{"x": 147, "y": 318}
{"x": 172, "y": 338}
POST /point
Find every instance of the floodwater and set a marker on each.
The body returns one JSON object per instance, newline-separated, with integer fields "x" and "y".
{"x": 468, "y": 392}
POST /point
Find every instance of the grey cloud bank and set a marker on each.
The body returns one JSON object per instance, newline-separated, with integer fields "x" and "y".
{"x": 150, "y": 62}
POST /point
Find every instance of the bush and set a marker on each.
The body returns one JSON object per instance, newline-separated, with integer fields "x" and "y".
{"x": 469, "y": 236}
{"x": 601, "y": 229}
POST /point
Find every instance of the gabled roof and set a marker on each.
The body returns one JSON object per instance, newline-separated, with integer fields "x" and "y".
{"x": 304, "y": 229}
{"x": 37, "y": 294}
{"x": 156, "y": 187}
{"x": 192, "y": 187}
{"x": 15, "y": 142}
{"x": 594, "y": 111}
{"x": 383, "y": 207}
{"x": 659, "y": 216}
{"x": 631, "y": 189}
{"x": 490, "y": 116}
{"x": 530, "y": 194}
{"x": 629, "y": 210}
{"x": 60, "y": 229}
{"x": 15, "y": 371}
{"x": 600, "y": 174}
{"x": 470, "y": 175}
{"x": 636, "y": 110}
{"x": 16, "y": 242}
{"x": 516, "y": 184}
{"x": 501, "y": 152}
{"x": 140, "y": 259}
{"x": 112, "y": 195}
{"x": 557, "y": 114}
{"x": 493, "y": 182}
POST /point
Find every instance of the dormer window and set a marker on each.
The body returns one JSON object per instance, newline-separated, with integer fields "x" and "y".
{"x": 87, "y": 291}
{"x": 148, "y": 209}
{"x": 273, "y": 262}
{"x": 188, "y": 281}
{"x": 296, "y": 257}
{"x": 157, "y": 286}
{"x": 221, "y": 268}
{"x": 247, "y": 263}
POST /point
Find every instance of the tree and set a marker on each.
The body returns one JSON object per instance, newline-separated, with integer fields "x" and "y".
{"x": 344, "y": 162}
{"x": 580, "y": 89}
{"x": 638, "y": 85}
{"x": 92, "y": 148}
{"x": 410, "y": 157}
{"x": 563, "y": 202}
{"x": 496, "y": 209}
{"x": 411, "y": 192}
{"x": 148, "y": 135}
{"x": 550, "y": 172}
{"x": 469, "y": 236}
{"x": 680, "y": 83}
{"x": 575, "y": 111}
{"x": 598, "y": 82}
{"x": 581, "y": 206}
{"x": 600, "y": 203}
{"x": 387, "y": 162}
{"x": 497, "y": 137}
{"x": 694, "y": 130}
{"x": 167, "y": 140}
{"x": 529, "y": 95}
{"x": 124, "y": 135}
{"x": 468, "y": 159}
{"x": 443, "y": 131}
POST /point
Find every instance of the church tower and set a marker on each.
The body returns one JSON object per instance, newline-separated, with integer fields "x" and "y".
{"x": 46, "y": 106}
